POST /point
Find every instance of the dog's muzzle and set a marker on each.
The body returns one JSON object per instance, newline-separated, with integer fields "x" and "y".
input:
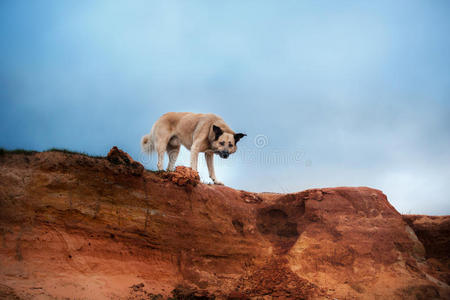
{"x": 223, "y": 154}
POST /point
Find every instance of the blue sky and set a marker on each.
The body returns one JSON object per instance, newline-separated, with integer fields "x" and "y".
{"x": 330, "y": 93}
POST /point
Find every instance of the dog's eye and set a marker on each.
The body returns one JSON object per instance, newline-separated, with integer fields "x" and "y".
{"x": 230, "y": 145}
{"x": 222, "y": 143}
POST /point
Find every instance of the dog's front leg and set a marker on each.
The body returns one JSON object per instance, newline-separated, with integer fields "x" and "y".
{"x": 194, "y": 157}
{"x": 209, "y": 157}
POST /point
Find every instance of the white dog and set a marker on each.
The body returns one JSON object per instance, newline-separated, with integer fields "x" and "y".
{"x": 206, "y": 133}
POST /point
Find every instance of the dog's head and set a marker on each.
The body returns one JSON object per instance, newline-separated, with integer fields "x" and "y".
{"x": 224, "y": 143}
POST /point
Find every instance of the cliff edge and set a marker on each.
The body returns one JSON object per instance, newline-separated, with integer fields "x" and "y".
{"x": 79, "y": 227}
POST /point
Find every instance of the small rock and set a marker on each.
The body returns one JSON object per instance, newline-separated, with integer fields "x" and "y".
{"x": 183, "y": 176}
{"x": 119, "y": 157}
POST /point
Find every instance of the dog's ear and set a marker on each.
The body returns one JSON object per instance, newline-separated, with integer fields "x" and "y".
{"x": 238, "y": 136}
{"x": 218, "y": 131}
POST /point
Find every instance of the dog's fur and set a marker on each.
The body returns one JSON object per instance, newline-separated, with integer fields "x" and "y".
{"x": 206, "y": 133}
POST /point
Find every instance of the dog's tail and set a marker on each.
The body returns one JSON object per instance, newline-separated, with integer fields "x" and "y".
{"x": 147, "y": 143}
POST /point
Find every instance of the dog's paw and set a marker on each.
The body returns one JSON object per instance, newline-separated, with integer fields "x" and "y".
{"x": 218, "y": 182}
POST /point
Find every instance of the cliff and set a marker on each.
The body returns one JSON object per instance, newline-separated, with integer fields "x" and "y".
{"x": 79, "y": 227}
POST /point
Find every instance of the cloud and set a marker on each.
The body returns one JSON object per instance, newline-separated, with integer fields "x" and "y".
{"x": 346, "y": 94}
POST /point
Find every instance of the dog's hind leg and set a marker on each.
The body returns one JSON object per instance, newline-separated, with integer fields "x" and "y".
{"x": 161, "y": 147}
{"x": 162, "y": 136}
{"x": 160, "y": 159}
{"x": 173, "y": 148}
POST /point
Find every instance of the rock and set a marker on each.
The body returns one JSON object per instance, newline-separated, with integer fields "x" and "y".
{"x": 100, "y": 228}
{"x": 434, "y": 233}
{"x": 137, "y": 287}
{"x": 250, "y": 197}
{"x": 183, "y": 176}
{"x": 119, "y": 157}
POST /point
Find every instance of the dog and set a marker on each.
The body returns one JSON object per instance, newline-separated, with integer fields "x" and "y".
{"x": 206, "y": 133}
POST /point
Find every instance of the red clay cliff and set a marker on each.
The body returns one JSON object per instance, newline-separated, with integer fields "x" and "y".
{"x": 78, "y": 227}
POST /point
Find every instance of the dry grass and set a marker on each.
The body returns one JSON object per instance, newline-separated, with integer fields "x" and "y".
{"x": 4, "y": 151}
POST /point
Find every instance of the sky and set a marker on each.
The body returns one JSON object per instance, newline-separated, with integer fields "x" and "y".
{"x": 330, "y": 93}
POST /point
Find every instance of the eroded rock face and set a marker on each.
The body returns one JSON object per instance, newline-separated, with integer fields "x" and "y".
{"x": 434, "y": 233}
{"x": 73, "y": 226}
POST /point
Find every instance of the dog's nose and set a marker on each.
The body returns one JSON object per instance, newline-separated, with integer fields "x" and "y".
{"x": 225, "y": 154}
